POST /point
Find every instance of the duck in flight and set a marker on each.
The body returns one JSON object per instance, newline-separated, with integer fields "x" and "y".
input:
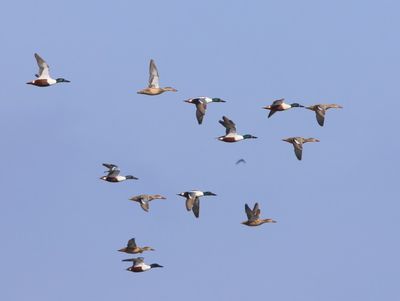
{"x": 113, "y": 174}
{"x": 280, "y": 105}
{"x": 298, "y": 144}
{"x": 201, "y": 105}
{"x": 144, "y": 200}
{"x": 132, "y": 248}
{"x": 154, "y": 83}
{"x": 240, "y": 161}
{"x": 138, "y": 265}
{"x": 230, "y": 133}
{"x": 253, "y": 216}
{"x": 320, "y": 110}
{"x": 43, "y": 77}
{"x": 193, "y": 200}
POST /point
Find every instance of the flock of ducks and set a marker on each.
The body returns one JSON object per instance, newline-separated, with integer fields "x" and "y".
{"x": 192, "y": 197}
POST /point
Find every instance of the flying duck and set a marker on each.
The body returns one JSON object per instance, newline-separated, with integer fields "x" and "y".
{"x": 113, "y": 174}
{"x": 138, "y": 265}
{"x": 201, "y": 105}
{"x": 43, "y": 77}
{"x": 154, "y": 83}
{"x": 193, "y": 201}
{"x": 144, "y": 200}
{"x": 298, "y": 144}
{"x": 280, "y": 105}
{"x": 320, "y": 110}
{"x": 132, "y": 248}
{"x": 230, "y": 133}
{"x": 240, "y": 161}
{"x": 253, "y": 216}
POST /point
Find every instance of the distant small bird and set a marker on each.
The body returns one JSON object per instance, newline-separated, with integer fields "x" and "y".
{"x": 144, "y": 200}
{"x": 201, "y": 105}
{"x": 43, "y": 77}
{"x": 139, "y": 265}
{"x": 113, "y": 174}
{"x": 320, "y": 110}
{"x": 132, "y": 248}
{"x": 154, "y": 82}
{"x": 193, "y": 201}
{"x": 280, "y": 105}
{"x": 240, "y": 161}
{"x": 253, "y": 216}
{"x": 230, "y": 132}
{"x": 298, "y": 144}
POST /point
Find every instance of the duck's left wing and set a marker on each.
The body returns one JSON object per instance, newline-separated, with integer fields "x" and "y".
{"x": 44, "y": 72}
{"x": 196, "y": 207}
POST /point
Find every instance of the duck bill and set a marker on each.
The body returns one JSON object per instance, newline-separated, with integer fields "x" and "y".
{"x": 267, "y": 108}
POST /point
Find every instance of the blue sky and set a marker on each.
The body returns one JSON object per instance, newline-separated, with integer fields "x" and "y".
{"x": 337, "y": 210}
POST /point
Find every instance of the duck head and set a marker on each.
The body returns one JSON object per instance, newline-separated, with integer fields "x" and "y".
{"x": 209, "y": 193}
{"x": 217, "y": 100}
{"x": 296, "y": 105}
{"x": 103, "y": 178}
{"x": 62, "y": 80}
{"x": 156, "y": 265}
{"x": 247, "y": 136}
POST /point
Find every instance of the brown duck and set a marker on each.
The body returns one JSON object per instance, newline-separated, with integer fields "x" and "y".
{"x": 320, "y": 110}
{"x": 253, "y": 216}
{"x": 144, "y": 199}
{"x": 298, "y": 144}
{"x": 154, "y": 83}
{"x": 132, "y": 248}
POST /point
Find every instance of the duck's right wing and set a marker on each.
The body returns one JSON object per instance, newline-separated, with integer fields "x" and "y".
{"x": 154, "y": 79}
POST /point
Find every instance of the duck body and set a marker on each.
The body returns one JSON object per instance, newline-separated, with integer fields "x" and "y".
{"x": 154, "y": 83}
{"x": 43, "y": 77}
{"x": 139, "y": 265}
{"x": 280, "y": 105}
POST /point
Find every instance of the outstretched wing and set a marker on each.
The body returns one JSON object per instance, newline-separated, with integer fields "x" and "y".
{"x": 278, "y": 102}
{"x": 298, "y": 149}
{"x": 43, "y": 67}
{"x": 229, "y": 125}
{"x": 131, "y": 243}
{"x": 196, "y": 207}
{"x": 200, "y": 111}
{"x": 320, "y": 114}
{"x": 136, "y": 261}
{"x": 249, "y": 212}
{"x": 154, "y": 79}
{"x": 256, "y": 211}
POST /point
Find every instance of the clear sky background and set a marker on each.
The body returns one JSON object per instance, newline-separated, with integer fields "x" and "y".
{"x": 337, "y": 236}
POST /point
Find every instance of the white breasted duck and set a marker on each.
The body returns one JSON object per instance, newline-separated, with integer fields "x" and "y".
{"x": 253, "y": 216}
{"x": 139, "y": 265}
{"x": 201, "y": 105}
{"x": 298, "y": 144}
{"x": 43, "y": 77}
{"x": 320, "y": 110}
{"x": 154, "y": 82}
{"x": 230, "y": 133}
{"x": 113, "y": 174}
{"x": 144, "y": 199}
{"x": 193, "y": 201}
{"x": 280, "y": 105}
